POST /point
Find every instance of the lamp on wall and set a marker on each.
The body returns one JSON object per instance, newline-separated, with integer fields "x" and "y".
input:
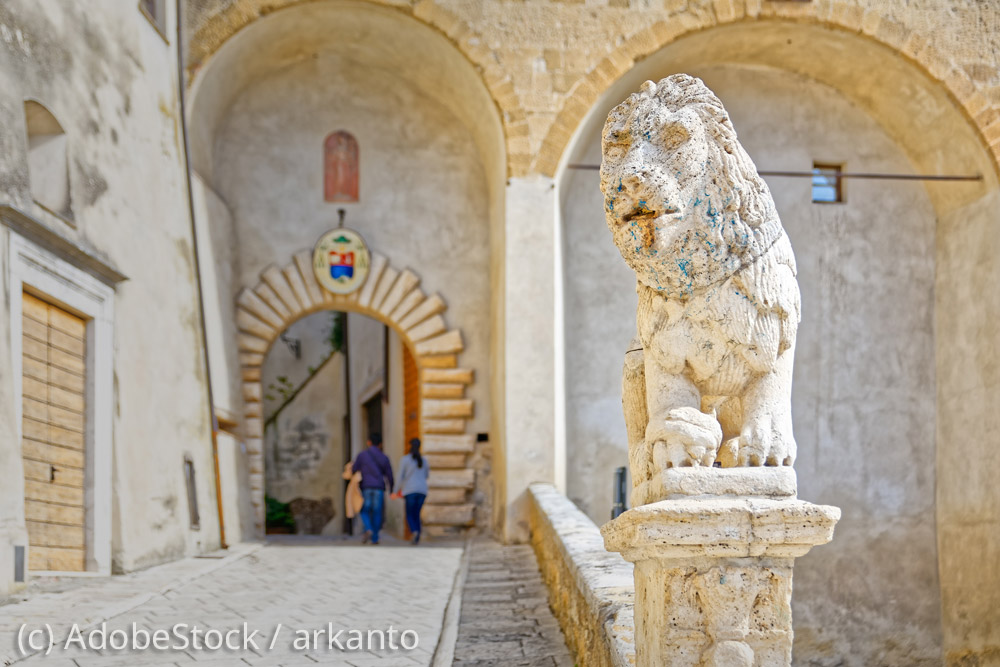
{"x": 294, "y": 345}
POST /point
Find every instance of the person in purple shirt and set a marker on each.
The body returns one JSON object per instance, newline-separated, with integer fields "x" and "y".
{"x": 376, "y": 472}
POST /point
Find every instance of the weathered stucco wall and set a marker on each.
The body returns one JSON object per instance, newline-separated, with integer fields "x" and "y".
{"x": 110, "y": 79}
{"x": 968, "y": 428}
{"x": 304, "y": 445}
{"x": 217, "y": 245}
{"x": 864, "y": 372}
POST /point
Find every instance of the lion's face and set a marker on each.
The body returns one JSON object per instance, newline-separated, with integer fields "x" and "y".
{"x": 668, "y": 199}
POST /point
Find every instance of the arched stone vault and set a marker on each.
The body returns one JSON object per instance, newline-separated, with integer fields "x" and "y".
{"x": 538, "y": 146}
{"x": 210, "y": 37}
{"x": 394, "y": 297}
{"x": 839, "y": 14}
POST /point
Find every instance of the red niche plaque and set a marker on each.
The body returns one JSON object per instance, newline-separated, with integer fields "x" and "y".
{"x": 340, "y": 167}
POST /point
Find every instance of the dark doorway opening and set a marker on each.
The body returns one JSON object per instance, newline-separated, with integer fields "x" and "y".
{"x": 371, "y": 415}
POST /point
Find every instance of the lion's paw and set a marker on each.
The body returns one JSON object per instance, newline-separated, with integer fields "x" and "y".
{"x": 686, "y": 437}
{"x": 768, "y": 441}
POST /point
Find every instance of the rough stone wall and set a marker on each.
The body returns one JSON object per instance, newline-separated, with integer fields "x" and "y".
{"x": 590, "y": 590}
{"x": 546, "y": 62}
{"x": 111, "y": 81}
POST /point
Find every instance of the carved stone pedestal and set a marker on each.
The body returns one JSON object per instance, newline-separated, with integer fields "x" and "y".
{"x": 713, "y": 575}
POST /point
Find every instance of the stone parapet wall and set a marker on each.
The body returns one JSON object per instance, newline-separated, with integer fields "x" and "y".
{"x": 590, "y": 589}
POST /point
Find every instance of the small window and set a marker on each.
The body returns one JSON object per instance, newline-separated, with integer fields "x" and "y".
{"x": 156, "y": 12}
{"x": 48, "y": 166}
{"x": 827, "y": 183}
{"x": 192, "y": 493}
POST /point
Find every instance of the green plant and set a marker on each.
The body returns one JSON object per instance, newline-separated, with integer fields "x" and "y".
{"x": 284, "y": 387}
{"x": 277, "y": 514}
{"x": 337, "y": 327}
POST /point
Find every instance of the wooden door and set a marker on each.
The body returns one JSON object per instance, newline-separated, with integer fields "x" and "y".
{"x": 411, "y": 398}
{"x": 54, "y": 372}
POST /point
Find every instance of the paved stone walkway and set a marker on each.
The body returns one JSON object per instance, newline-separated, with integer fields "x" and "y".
{"x": 505, "y": 617}
{"x": 306, "y": 588}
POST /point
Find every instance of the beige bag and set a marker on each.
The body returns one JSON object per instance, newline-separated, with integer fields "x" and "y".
{"x": 353, "y": 500}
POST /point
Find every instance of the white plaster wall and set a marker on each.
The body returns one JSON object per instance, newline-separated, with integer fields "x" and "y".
{"x": 219, "y": 261}
{"x": 12, "y": 528}
{"x": 423, "y": 198}
{"x": 864, "y": 386}
{"x": 111, "y": 80}
{"x": 234, "y": 478}
{"x": 216, "y": 249}
{"x": 528, "y": 453}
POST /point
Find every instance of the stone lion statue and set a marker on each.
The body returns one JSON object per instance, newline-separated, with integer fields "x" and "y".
{"x": 708, "y": 379}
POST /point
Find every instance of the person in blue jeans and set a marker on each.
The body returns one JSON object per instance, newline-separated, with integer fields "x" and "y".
{"x": 413, "y": 470}
{"x": 376, "y": 473}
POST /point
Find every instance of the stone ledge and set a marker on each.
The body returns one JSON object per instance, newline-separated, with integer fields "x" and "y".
{"x": 591, "y": 590}
{"x": 757, "y": 481}
{"x": 720, "y": 527}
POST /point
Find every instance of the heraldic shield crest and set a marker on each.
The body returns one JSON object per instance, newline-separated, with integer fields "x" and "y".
{"x": 341, "y": 261}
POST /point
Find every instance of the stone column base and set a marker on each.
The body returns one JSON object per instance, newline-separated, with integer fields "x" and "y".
{"x": 713, "y": 576}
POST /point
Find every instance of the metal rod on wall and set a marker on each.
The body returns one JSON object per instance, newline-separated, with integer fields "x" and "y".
{"x": 210, "y": 396}
{"x": 834, "y": 174}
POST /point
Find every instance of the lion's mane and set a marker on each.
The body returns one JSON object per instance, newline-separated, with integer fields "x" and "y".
{"x": 749, "y": 221}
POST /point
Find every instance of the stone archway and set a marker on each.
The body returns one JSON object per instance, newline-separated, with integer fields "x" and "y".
{"x": 848, "y": 17}
{"x": 394, "y": 297}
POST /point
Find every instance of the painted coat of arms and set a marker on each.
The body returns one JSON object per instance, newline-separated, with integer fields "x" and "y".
{"x": 341, "y": 260}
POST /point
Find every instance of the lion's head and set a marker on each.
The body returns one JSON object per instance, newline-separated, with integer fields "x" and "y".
{"x": 682, "y": 198}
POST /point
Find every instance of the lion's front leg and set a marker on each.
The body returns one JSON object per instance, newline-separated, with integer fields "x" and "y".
{"x": 679, "y": 434}
{"x": 766, "y": 436}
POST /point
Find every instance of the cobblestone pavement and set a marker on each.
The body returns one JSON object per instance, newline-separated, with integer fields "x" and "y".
{"x": 505, "y": 617}
{"x": 302, "y": 587}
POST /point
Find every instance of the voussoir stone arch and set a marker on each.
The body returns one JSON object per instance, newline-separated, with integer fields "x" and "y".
{"x": 914, "y": 45}
{"x": 393, "y": 296}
